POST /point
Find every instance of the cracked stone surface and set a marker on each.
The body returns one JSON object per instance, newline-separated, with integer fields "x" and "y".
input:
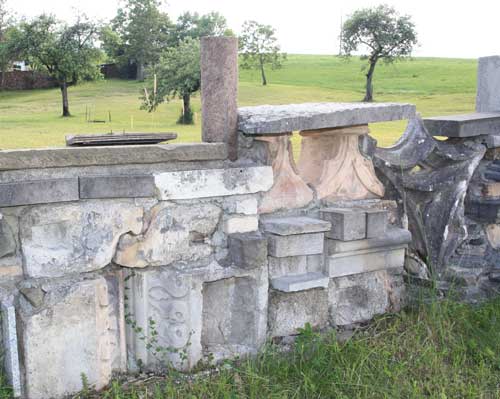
{"x": 269, "y": 119}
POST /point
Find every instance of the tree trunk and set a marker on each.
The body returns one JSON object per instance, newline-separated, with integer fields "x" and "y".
{"x": 140, "y": 71}
{"x": 187, "y": 113}
{"x": 369, "y": 86}
{"x": 65, "y": 104}
{"x": 263, "y": 73}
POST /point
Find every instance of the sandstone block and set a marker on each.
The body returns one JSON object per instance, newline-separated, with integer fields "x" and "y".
{"x": 117, "y": 187}
{"x": 295, "y": 245}
{"x": 176, "y": 233}
{"x": 213, "y": 182}
{"x": 248, "y": 251}
{"x": 241, "y": 224}
{"x": 75, "y": 238}
{"x": 77, "y": 331}
{"x": 347, "y": 224}
{"x": 290, "y": 311}
{"x": 285, "y": 226}
{"x": 38, "y": 192}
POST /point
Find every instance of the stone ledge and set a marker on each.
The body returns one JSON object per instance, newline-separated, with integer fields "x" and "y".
{"x": 111, "y": 155}
{"x": 96, "y": 187}
{"x": 273, "y": 119}
{"x": 286, "y": 226}
{"x": 300, "y": 282}
{"x": 39, "y": 192}
{"x": 468, "y": 125}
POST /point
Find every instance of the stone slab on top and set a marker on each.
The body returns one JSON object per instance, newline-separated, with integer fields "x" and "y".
{"x": 468, "y": 125}
{"x": 276, "y": 119}
{"x": 285, "y": 226}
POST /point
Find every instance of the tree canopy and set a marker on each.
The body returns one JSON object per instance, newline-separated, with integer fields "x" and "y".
{"x": 197, "y": 26}
{"x": 176, "y": 75}
{"x": 259, "y": 47}
{"x": 380, "y": 33}
{"x": 138, "y": 34}
{"x": 67, "y": 52}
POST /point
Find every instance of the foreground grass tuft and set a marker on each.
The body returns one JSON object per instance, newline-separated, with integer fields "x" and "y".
{"x": 438, "y": 350}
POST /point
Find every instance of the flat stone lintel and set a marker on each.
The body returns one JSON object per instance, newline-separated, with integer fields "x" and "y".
{"x": 111, "y": 155}
{"x": 272, "y": 119}
{"x": 468, "y": 125}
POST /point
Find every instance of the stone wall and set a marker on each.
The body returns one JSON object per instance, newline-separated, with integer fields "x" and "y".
{"x": 25, "y": 80}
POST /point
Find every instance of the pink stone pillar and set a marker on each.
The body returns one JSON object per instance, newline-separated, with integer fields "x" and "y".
{"x": 219, "y": 91}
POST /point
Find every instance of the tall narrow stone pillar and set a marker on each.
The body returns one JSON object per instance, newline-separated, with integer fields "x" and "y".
{"x": 219, "y": 91}
{"x": 488, "y": 84}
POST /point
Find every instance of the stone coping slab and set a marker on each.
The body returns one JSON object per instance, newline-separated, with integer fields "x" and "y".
{"x": 276, "y": 119}
{"x": 286, "y": 226}
{"x": 467, "y": 125}
{"x": 111, "y": 155}
{"x": 300, "y": 282}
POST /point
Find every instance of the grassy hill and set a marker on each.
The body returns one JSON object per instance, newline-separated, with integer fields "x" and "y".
{"x": 436, "y": 85}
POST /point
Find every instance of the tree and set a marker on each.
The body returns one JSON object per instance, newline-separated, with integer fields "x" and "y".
{"x": 197, "y": 26}
{"x": 177, "y": 74}
{"x": 383, "y": 33}
{"x": 138, "y": 33}
{"x": 67, "y": 52}
{"x": 259, "y": 47}
{"x": 7, "y": 28}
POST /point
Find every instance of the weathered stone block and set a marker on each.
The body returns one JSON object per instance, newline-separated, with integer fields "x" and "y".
{"x": 242, "y": 205}
{"x": 76, "y": 332}
{"x": 488, "y": 84}
{"x": 38, "y": 192}
{"x": 376, "y": 222}
{"x": 7, "y": 240}
{"x": 347, "y": 224}
{"x": 285, "y": 226}
{"x": 300, "y": 282}
{"x": 393, "y": 237}
{"x": 290, "y": 311}
{"x": 213, "y": 182}
{"x": 269, "y": 119}
{"x": 173, "y": 302}
{"x": 469, "y": 125}
{"x": 358, "y": 298}
{"x": 241, "y": 224}
{"x": 248, "y": 251}
{"x": 368, "y": 260}
{"x": 291, "y": 265}
{"x": 295, "y": 245}
{"x": 75, "y": 238}
{"x": 117, "y": 187}
{"x": 176, "y": 233}
{"x": 10, "y": 348}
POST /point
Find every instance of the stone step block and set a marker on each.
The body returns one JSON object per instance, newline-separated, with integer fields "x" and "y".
{"x": 394, "y": 236}
{"x": 295, "y": 245}
{"x": 286, "y": 226}
{"x": 364, "y": 261}
{"x": 291, "y": 265}
{"x": 290, "y": 311}
{"x": 376, "y": 222}
{"x": 300, "y": 282}
{"x": 347, "y": 223}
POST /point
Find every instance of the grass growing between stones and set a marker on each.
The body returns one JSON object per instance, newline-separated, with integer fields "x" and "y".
{"x": 437, "y": 350}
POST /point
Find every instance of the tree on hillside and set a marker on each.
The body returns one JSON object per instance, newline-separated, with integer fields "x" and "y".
{"x": 382, "y": 33}
{"x": 138, "y": 34}
{"x": 67, "y": 52}
{"x": 259, "y": 47}
{"x": 197, "y": 26}
{"x": 176, "y": 75}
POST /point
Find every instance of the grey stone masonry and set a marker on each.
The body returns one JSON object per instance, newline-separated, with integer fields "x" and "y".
{"x": 295, "y": 245}
{"x": 285, "y": 226}
{"x": 488, "y": 84}
{"x": 269, "y": 119}
{"x": 468, "y": 125}
{"x": 248, "y": 250}
{"x": 115, "y": 155}
{"x": 347, "y": 224}
{"x": 38, "y": 192}
{"x": 376, "y": 222}
{"x": 117, "y": 187}
{"x": 300, "y": 282}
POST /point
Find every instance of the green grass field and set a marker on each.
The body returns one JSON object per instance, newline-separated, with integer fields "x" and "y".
{"x": 437, "y": 86}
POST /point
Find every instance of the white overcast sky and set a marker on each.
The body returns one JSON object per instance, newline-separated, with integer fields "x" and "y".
{"x": 446, "y": 28}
